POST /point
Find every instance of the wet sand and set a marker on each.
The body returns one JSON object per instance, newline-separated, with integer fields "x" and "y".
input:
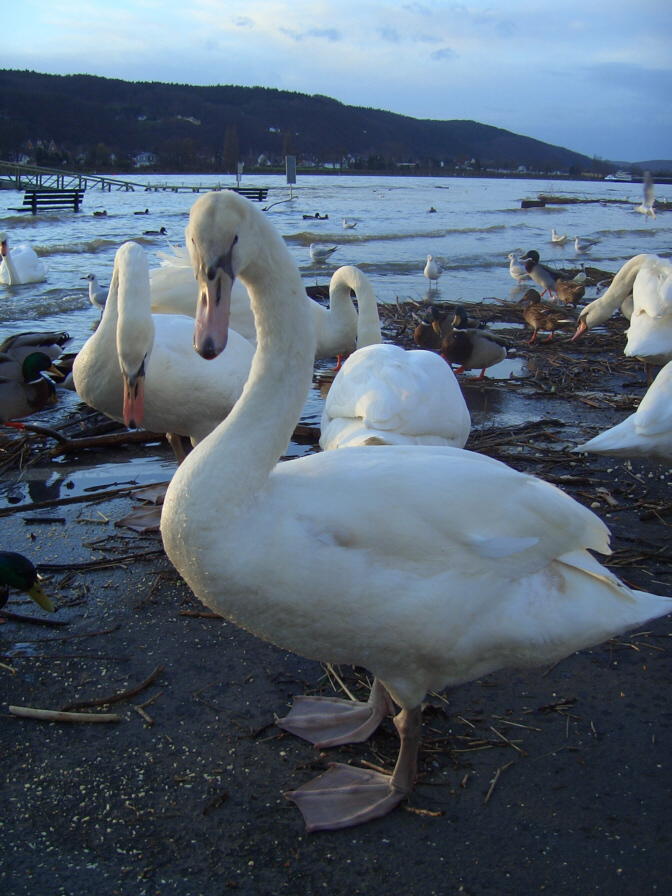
{"x": 551, "y": 780}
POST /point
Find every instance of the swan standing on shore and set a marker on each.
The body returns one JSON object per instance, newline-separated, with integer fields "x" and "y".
{"x": 140, "y": 368}
{"x": 306, "y": 554}
{"x": 20, "y": 264}
{"x": 647, "y": 432}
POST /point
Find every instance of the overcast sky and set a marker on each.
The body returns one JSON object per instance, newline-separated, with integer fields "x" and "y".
{"x": 594, "y": 76}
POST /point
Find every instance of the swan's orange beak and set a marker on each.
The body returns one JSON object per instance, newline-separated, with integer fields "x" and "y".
{"x": 134, "y": 399}
{"x": 580, "y": 330}
{"x": 211, "y": 330}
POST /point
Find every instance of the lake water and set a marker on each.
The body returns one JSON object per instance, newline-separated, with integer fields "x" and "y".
{"x": 476, "y": 224}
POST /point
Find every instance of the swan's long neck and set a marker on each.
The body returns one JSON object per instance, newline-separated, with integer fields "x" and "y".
{"x": 349, "y": 278}
{"x": 246, "y": 446}
{"x": 12, "y": 273}
{"x": 620, "y": 288}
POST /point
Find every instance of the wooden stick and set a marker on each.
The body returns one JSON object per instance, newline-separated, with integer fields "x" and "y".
{"x": 51, "y": 715}
{"x": 115, "y": 698}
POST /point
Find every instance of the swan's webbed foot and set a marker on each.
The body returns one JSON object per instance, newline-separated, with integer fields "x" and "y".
{"x": 330, "y": 721}
{"x": 345, "y": 796}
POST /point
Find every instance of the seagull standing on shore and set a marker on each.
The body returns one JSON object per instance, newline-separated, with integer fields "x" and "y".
{"x": 516, "y": 268}
{"x": 432, "y": 270}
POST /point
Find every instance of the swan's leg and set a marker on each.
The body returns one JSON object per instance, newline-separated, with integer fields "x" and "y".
{"x": 179, "y": 446}
{"x": 329, "y": 721}
{"x": 345, "y": 796}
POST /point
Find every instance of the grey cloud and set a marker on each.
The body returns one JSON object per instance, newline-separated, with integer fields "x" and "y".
{"x": 443, "y": 53}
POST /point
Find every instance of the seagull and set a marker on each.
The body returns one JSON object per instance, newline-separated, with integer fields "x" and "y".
{"x": 349, "y": 225}
{"x": 516, "y": 269}
{"x": 558, "y": 238}
{"x": 584, "y": 244}
{"x": 432, "y": 270}
{"x": 646, "y": 208}
{"x": 97, "y": 293}
{"x": 320, "y": 254}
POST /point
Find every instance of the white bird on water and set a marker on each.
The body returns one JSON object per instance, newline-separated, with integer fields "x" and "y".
{"x": 649, "y": 199}
{"x": 20, "y": 264}
{"x": 349, "y": 225}
{"x": 433, "y": 270}
{"x": 320, "y": 254}
{"x": 341, "y": 579}
{"x": 97, "y": 293}
{"x": 516, "y": 267}
{"x": 558, "y": 238}
{"x": 584, "y": 244}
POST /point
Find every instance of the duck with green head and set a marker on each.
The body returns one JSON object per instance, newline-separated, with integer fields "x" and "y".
{"x": 16, "y": 571}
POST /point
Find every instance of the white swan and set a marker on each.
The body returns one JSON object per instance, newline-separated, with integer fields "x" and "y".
{"x": 649, "y": 336}
{"x": 385, "y": 395}
{"x": 647, "y": 432}
{"x": 491, "y": 572}
{"x": 618, "y": 295}
{"x": 20, "y": 264}
{"x": 432, "y": 270}
{"x": 141, "y": 369}
{"x": 174, "y": 290}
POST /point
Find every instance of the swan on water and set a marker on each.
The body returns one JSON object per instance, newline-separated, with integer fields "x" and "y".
{"x": 20, "y": 264}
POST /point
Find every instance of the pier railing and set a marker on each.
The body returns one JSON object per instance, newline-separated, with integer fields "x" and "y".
{"x": 14, "y": 176}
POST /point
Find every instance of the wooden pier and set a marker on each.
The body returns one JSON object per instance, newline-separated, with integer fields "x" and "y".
{"x": 14, "y": 176}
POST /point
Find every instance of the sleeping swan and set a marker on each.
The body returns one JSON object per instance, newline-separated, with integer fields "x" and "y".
{"x": 428, "y": 597}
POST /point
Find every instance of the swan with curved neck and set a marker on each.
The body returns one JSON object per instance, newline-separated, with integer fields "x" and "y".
{"x": 305, "y": 554}
{"x": 174, "y": 290}
{"x": 140, "y": 369}
{"x": 20, "y": 265}
{"x": 618, "y": 295}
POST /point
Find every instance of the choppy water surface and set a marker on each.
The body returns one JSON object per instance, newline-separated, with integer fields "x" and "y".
{"x": 477, "y": 222}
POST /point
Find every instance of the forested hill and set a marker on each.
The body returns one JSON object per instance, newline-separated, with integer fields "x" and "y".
{"x": 80, "y": 115}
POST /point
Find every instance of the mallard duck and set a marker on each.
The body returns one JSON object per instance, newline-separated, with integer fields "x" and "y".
{"x": 20, "y": 345}
{"x": 544, "y": 277}
{"x": 432, "y": 270}
{"x": 647, "y": 432}
{"x": 429, "y": 333}
{"x": 20, "y": 264}
{"x": 97, "y": 293}
{"x": 462, "y": 321}
{"x": 569, "y": 292}
{"x": 436, "y": 595}
{"x": 472, "y": 350}
{"x": 17, "y": 571}
{"x": 24, "y": 386}
{"x": 547, "y": 318}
